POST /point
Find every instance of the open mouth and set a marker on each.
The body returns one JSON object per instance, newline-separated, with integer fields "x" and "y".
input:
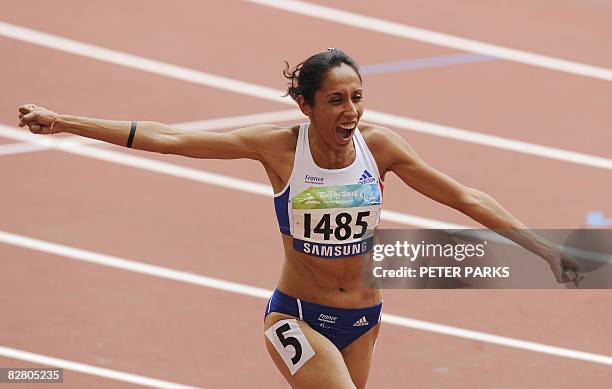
{"x": 345, "y": 131}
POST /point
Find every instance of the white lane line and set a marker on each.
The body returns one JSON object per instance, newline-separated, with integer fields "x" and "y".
{"x": 199, "y": 125}
{"x": 134, "y": 61}
{"x": 435, "y": 38}
{"x": 140, "y": 162}
{"x": 238, "y": 288}
{"x": 190, "y": 173}
{"x": 258, "y": 91}
{"x": 26, "y": 147}
{"x": 499, "y": 142}
{"x": 19, "y": 148}
{"x": 497, "y": 339}
{"x": 131, "y": 265}
{"x": 89, "y": 369}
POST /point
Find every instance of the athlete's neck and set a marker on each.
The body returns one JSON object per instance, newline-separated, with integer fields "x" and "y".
{"x": 327, "y": 157}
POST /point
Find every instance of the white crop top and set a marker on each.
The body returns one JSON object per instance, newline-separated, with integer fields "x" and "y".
{"x": 330, "y": 213}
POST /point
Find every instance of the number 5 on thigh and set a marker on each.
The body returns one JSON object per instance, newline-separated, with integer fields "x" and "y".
{"x": 290, "y": 343}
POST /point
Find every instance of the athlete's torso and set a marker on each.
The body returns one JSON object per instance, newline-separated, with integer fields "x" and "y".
{"x": 326, "y": 217}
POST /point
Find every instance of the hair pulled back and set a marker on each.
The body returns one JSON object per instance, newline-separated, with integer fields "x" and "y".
{"x": 306, "y": 78}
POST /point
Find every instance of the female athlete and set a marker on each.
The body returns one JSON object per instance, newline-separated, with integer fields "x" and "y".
{"x": 320, "y": 324}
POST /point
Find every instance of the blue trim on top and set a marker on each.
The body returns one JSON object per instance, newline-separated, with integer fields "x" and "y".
{"x": 281, "y": 206}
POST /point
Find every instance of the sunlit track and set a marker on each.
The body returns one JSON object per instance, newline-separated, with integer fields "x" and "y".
{"x": 266, "y": 93}
{"x": 234, "y": 287}
{"x": 145, "y": 279}
{"x": 435, "y": 38}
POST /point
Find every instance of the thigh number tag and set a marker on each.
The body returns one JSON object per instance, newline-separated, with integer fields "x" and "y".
{"x": 291, "y": 343}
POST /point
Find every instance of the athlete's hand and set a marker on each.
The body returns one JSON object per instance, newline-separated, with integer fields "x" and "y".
{"x": 38, "y": 119}
{"x": 565, "y": 269}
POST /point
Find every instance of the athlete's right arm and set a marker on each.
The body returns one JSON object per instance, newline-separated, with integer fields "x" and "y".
{"x": 151, "y": 136}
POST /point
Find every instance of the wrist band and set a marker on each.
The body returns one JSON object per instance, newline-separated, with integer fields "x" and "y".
{"x": 52, "y": 123}
{"x": 132, "y": 133}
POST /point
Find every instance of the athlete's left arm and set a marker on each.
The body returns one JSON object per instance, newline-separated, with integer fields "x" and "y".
{"x": 401, "y": 159}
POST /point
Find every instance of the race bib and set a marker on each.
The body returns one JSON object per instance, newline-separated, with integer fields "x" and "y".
{"x": 335, "y": 221}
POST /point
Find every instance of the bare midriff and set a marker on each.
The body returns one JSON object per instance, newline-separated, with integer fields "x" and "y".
{"x": 331, "y": 282}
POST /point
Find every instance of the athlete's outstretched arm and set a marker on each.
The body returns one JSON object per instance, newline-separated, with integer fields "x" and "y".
{"x": 149, "y": 136}
{"x": 401, "y": 159}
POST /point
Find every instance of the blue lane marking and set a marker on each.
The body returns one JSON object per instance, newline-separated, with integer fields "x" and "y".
{"x": 424, "y": 63}
{"x": 597, "y": 219}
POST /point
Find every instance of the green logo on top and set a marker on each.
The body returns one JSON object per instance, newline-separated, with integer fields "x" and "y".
{"x": 339, "y": 196}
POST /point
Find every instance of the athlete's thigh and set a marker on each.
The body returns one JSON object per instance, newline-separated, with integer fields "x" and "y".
{"x": 324, "y": 367}
{"x": 358, "y": 356}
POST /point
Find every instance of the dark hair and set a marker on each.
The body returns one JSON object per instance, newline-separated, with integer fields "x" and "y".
{"x": 306, "y": 78}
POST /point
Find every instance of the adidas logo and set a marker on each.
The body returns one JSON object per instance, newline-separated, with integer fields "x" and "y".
{"x": 366, "y": 178}
{"x": 361, "y": 322}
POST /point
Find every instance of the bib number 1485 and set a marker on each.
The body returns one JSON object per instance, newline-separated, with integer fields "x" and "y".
{"x": 343, "y": 225}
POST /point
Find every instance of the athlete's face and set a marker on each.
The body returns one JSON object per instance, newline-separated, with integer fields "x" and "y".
{"x": 337, "y": 108}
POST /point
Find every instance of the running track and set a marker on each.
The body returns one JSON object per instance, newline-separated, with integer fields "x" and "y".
{"x": 177, "y": 327}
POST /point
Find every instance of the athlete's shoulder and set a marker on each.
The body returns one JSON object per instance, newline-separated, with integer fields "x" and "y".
{"x": 278, "y": 132}
{"x": 377, "y": 137}
{"x": 289, "y": 133}
{"x": 387, "y": 146}
{"x": 282, "y": 137}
